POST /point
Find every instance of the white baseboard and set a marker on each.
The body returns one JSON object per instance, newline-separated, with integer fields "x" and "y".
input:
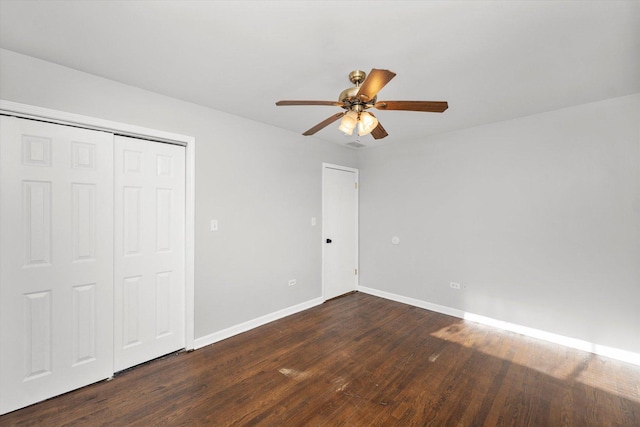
{"x": 251, "y": 324}
{"x": 601, "y": 350}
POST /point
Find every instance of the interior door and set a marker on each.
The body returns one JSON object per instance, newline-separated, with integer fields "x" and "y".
{"x": 56, "y": 263}
{"x": 340, "y": 230}
{"x": 149, "y": 250}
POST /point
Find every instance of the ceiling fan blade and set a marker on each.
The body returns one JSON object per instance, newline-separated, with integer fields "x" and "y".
{"x": 375, "y": 81}
{"x": 281, "y": 103}
{"x": 378, "y": 132}
{"x": 427, "y": 106}
{"x": 324, "y": 124}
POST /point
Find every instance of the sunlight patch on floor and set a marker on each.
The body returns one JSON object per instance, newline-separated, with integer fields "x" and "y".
{"x": 555, "y": 360}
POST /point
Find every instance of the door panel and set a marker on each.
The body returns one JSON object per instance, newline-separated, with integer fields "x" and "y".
{"x": 340, "y": 225}
{"x": 149, "y": 247}
{"x": 56, "y": 268}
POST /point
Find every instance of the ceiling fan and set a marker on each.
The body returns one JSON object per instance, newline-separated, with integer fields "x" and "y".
{"x": 356, "y": 100}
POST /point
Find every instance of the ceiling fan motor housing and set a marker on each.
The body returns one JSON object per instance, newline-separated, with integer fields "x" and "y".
{"x": 349, "y": 96}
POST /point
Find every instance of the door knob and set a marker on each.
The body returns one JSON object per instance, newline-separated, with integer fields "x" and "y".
{"x": 328, "y": 240}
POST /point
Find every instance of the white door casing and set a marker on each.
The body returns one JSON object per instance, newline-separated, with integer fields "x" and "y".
{"x": 149, "y": 250}
{"x": 56, "y": 264}
{"x": 340, "y": 226}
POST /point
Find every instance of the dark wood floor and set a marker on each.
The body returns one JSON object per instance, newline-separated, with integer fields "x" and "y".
{"x": 360, "y": 361}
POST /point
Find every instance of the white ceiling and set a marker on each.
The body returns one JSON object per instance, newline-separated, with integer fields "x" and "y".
{"x": 491, "y": 60}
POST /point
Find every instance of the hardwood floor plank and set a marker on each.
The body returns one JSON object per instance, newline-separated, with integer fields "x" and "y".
{"x": 359, "y": 361}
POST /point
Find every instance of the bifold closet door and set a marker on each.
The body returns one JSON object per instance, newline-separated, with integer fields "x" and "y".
{"x": 56, "y": 260}
{"x": 149, "y": 250}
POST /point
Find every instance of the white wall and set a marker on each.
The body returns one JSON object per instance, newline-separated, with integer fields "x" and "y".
{"x": 538, "y": 217}
{"x": 261, "y": 183}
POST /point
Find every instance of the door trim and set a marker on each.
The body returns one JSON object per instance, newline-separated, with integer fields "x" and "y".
{"x": 70, "y": 119}
{"x": 326, "y": 166}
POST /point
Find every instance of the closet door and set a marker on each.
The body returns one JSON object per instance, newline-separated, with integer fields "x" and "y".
{"x": 149, "y": 250}
{"x": 56, "y": 260}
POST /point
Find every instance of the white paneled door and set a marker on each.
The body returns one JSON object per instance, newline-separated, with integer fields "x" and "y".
{"x": 340, "y": 230}
{"x": 56, "y": 263}
{"x": 149, "y": 250}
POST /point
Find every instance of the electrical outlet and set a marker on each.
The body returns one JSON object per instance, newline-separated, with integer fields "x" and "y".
{"x": 292, "y": 282}
{"x": 454, "y": 285}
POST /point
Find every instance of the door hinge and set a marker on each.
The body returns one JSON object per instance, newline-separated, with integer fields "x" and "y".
{"x": 356, "y": 185}
{"x": 356, "y": 271}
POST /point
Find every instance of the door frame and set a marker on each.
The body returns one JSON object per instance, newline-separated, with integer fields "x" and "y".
{"x": 26, "y": 111}
{"x": 326, "y": 166}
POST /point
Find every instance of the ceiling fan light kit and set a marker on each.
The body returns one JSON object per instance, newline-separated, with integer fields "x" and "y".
{"x": 357, "y": 99}
{"x": 364, "y": 122}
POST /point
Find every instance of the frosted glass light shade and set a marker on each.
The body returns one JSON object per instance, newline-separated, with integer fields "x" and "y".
{"x": 366, "y": 124}
{"x": 349, "y": 122}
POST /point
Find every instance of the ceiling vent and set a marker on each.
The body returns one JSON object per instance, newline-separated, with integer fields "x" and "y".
{"x": 355, "y": 144}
